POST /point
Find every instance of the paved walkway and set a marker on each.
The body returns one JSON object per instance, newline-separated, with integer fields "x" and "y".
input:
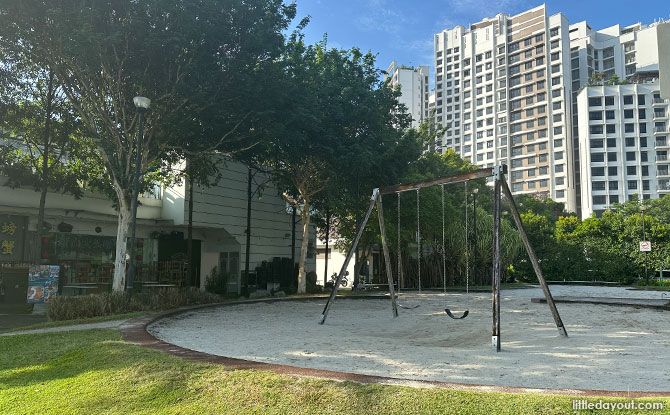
{"x": 102, "y": 325}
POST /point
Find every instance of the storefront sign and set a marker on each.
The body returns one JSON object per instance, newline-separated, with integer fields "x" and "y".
{"x": 12, "y": 235}
{"x": 42, "y": 283}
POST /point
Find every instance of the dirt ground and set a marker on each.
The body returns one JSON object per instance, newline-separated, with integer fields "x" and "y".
{"x": 608, "y": 348}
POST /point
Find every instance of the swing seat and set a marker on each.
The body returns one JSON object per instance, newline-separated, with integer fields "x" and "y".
{"x": 450, "y": 314}
{"x": 406, "y": 307}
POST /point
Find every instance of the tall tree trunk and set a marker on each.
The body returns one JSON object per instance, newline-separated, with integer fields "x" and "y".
{"x": 44, "y": 180}
{"x": 189, "y": 243}
{"x": 302, "y": 280}
{"x": 245, "y": 282}
{"x": 119, "y": 283}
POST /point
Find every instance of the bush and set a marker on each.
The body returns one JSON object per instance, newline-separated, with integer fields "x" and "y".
{"x": 217, "y": 282}
{"x": 95, "y": 305}
{"x": 312, "y": 286}
{"x": 653, "y": 282}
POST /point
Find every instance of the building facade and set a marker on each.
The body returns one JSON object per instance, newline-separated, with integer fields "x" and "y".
{"x": 508, "y": 88}
{"x": 501, "y": 86}
{"x": 414, "y": 94}
{"x": 80, "y": 235}
{"x": 623, "y": 145}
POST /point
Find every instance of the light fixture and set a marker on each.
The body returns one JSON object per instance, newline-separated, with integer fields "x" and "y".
{"x": 643, "y": 208}
{"x": 142, "y": 103}
{"x": 475, "y": 190}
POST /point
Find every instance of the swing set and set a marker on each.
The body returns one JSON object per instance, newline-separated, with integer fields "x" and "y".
{"x": 443, "y": 251}
{"x": 500, "y": 187}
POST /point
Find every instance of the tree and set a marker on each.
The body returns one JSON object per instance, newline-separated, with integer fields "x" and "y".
{"x": 43, "y": 146}
{"x": 196, "y": 60}
{"x": 337, "y": 118}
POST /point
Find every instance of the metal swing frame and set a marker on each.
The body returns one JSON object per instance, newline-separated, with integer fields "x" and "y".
{"x": 500, "y": 187}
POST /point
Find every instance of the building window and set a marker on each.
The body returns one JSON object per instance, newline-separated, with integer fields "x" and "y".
{"x": 595, "y": 101}
{"x": 599, "y": 199}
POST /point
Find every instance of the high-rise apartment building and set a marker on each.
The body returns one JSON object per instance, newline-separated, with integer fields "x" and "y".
{"x": 595, "y": 56}
{"x": 414, "y": 91}
{"x": 501, "y": 85}
{"x": 508, "y": 87}
{"x": 623, "y": 145}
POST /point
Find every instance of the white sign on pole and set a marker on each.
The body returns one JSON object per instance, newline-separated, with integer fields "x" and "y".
{"x": 645, "y": 246}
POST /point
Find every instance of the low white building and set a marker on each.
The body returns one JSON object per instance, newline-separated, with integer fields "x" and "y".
{"x": 336, "y": 257}
{"x": 82, "y": 232}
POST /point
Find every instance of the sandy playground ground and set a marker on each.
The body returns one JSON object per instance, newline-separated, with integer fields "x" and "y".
{"x": 608, "y": 348}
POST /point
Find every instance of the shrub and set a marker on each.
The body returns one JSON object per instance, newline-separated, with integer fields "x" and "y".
{"x": 95, "y": 305}
{"x": 312, "y": 286}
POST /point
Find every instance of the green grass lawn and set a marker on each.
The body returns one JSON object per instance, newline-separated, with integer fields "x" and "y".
{"x": 95, "y": 372}
{"x": 60, "y": 323}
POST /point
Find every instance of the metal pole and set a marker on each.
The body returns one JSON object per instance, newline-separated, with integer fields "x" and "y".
{"x": 387, "y": 256}
{"x": 533, "y": 259}
{"x": 293, "y": 217}
{"x": 134, "y": 203}
{"x": 474, "y": 238}
{"x": 644, "y": 238}
{"x": 356, "y": 264}
{"x": 325, "y": 271}
{"x": 495, "y": 337}
{"x": 354, "y": 247}
{"x": 418, "y": 238}
{"x": 245, "y": 283}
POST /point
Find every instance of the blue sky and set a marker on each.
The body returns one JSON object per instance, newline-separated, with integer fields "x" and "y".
{"x": 403, "y": 30}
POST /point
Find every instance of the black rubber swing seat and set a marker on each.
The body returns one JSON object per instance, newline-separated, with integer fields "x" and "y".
{"x": 450, "y": 314}
{"x": 408, "y": 307}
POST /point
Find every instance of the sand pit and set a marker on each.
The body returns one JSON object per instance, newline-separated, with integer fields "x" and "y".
{"x": 609, "y": 348}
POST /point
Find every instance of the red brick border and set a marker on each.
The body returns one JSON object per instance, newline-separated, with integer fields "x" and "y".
{"x": 135, "y": 331}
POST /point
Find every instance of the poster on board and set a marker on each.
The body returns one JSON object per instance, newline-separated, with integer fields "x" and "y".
{"x": 42, "y": 283}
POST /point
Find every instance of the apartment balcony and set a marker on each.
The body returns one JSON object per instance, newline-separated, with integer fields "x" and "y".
{"x": 662, "y": 144}
{"x": 660, "y": 130}
{"x": 660, "y": 101}
{"x": 660, "y": 115}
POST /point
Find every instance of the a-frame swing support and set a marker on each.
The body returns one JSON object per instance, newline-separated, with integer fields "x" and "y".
{"x": 500, "y": 187}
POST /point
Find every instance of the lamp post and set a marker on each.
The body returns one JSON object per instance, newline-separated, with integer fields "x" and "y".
{"x": 644, "y": 238}
{"x": 474, "y": 236}
{"x": 142, "y": 105}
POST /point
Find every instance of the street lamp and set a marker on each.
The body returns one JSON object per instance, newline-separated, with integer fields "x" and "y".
{"x": 474, "y": 236}
{"x": 142, "y": 105}
{"x": 643, "y": 208}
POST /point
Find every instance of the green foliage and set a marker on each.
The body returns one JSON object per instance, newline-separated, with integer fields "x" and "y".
{"x": 217, "y": 282}
{"x": 597, "y": 249}
{"x": 94, "y": 305}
